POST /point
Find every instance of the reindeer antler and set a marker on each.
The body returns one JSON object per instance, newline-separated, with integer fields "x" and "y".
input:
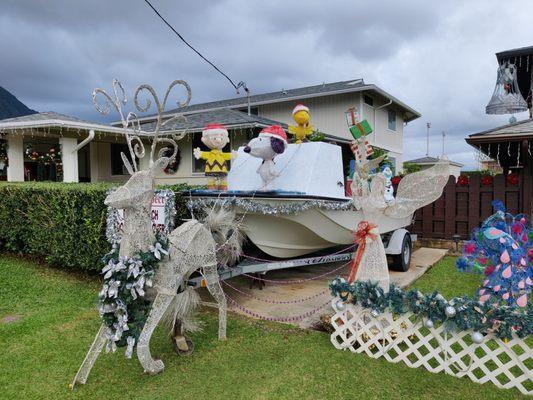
{"x": 159, "y": 124}
{"x": 132, "y": 126}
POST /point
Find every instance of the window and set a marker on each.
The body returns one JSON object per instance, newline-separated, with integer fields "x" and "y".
{"x": 391, "y": 119}
{"x": 198, "y": 166}
{"x": 117, "y": 166}
{"x": 368, "y": 100}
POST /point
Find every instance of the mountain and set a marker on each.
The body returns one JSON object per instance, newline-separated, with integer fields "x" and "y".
{"x": 11, "y": 107}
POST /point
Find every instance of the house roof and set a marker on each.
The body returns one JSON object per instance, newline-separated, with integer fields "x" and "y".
{"x": 325, "y": 89}
{"x": 231, "y": 119}
{"x": 225, "y": 116}
{"x": 431, "y": 160}
{"x": 521, "y": 51}
{"x": 53, "y": 119}
{"x": 517, "y": 130}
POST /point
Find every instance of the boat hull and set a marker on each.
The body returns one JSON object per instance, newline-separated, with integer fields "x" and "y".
{"x": 287, "y": 236}
{"x": 297, "y": 234}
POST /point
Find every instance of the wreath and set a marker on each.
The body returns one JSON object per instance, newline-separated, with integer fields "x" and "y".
{"x": 172, "y": 166}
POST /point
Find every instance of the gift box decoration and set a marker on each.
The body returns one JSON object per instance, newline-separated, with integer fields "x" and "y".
{"x": 360, "y": 129}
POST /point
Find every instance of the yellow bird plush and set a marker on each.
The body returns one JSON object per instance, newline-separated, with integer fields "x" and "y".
{"x": 301, "y": 116}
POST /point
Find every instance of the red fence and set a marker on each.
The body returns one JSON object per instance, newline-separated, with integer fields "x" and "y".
{"x": 460, "y": 209}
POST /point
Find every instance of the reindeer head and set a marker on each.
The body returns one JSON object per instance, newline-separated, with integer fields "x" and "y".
{"x": 139, "y": 189}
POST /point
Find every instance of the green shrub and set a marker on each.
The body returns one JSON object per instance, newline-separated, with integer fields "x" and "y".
{"x": 62, "y": 224}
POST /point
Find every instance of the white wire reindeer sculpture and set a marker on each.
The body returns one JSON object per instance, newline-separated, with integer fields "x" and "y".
{"x": 193, "y": 246}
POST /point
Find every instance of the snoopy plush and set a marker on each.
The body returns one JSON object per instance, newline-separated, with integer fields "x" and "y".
{"x": 270, "y": 142}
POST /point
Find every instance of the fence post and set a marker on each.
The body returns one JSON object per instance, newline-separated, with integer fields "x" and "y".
{"x": 449, "y": 208}
{"x": 473, "y": 202}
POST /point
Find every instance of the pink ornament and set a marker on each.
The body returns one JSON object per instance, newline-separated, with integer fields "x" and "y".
{"x": 528, "y": 281}
{"x": 497, "y": 288}
{"x": 482, "y": 291}
{"x": 521, "y": 284}
{"x": 522, "y": 300}
{"x": 502, "y": 240}
{"x": 505, "y": 296}
{"x": 507, "y": 272}
{"x": 484, "y": 298}
{"x": 514, "y": 246}
{"x": 504, "y": 258}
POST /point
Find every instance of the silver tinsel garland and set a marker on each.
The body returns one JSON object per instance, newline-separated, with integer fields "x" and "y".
{"x": 256, "y": 206}
{"x": 113, "y": 232}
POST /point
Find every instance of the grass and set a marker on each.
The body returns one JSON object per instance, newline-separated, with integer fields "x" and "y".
{"x": 42, "y": 350}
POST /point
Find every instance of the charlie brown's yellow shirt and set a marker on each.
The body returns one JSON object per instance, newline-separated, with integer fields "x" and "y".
{"x": 215, "y": 160}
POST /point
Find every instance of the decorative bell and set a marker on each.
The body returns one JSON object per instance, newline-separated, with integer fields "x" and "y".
{"x": 506, "y": 98}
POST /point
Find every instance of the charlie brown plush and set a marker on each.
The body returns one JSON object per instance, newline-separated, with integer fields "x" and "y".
{"x": 215, "y": 136}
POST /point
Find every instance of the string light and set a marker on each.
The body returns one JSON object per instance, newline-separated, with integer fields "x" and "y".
{"x": 498, "y": 155}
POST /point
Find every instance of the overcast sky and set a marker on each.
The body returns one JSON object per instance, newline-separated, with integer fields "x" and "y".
{"x": 436, "y": 56}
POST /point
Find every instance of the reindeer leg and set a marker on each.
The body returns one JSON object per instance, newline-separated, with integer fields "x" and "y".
{"x": 159, "y": 306}
{"x": 90, "y": 358}
{"x": 213, "y": 285}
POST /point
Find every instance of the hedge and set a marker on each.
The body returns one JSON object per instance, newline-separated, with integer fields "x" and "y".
{"x": 62, "y": 224}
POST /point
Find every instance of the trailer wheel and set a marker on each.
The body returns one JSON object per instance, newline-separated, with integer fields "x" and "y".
{"x": 402, "y": 261}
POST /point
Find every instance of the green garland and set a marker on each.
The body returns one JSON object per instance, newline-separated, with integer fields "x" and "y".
{"x": 121, "y": 302}
{"x": 460, "y": 313}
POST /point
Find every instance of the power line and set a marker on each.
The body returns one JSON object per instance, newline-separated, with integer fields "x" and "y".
{"x": 236, "y": 86}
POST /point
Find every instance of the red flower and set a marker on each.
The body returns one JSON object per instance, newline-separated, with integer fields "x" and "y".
{"x": 486, "y": 180}
{"x": 517, "y": 228}
{"x": 512, "y": 179}
{"x": 395, "y": 180}
{"x": 470, "y": 248}
{"x": 489, "y": 270}
{"x": 462, "y": 180}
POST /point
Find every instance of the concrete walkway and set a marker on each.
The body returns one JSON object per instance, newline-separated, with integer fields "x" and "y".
{"x": 269, "y": 301}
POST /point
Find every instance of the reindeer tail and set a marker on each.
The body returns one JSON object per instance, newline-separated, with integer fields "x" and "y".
{"x": 182, "y": 309}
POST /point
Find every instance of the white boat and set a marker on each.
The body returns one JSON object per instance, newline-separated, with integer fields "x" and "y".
{"x": 328, "y": 218}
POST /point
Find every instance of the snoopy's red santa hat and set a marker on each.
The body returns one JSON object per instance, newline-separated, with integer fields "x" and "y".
{"x": 300, "y": 107}
{"x": 212, "y": 129}
{"x": 274, "y": 131}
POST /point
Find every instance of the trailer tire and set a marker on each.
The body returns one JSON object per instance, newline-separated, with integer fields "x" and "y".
{"x": 402, "y": 261}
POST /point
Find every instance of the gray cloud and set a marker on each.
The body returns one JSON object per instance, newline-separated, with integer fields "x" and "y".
{"x": 436, "y": 56}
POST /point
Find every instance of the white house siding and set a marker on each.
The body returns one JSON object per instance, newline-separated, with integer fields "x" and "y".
{"x": 100, "y": 163}
{"x": 327, "y": 115}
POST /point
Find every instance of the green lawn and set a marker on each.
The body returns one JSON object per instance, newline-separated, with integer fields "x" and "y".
{"x": 41, "y": 351}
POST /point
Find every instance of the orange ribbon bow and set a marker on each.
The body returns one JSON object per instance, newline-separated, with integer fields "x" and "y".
{"x": 362, "y": 235}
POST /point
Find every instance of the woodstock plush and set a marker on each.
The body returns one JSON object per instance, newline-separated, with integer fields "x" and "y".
{"x": 301, "y": 116}
{"x": 215, "y": 136}
{"x": 270, "y": 142}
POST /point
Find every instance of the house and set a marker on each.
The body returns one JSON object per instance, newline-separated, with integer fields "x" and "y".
{"x": 327, "y": 103}
{"x": 91, "y": 151}
{"x": 511, "y": 146}
{"x": 426, "y": 162}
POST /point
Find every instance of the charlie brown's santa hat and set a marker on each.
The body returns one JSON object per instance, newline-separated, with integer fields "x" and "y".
{"x": 212, "y": 129}
{"x": 274, "y": 131}
{"x": 300, "y": 107}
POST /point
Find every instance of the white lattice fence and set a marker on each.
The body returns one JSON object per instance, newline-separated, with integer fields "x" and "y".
{"x": 406, "y": 338}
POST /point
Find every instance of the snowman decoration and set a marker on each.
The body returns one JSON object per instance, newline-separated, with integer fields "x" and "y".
{"x": 389, "y": 190}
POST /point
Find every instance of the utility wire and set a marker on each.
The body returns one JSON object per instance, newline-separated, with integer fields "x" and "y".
{"x": 236, "y": 86}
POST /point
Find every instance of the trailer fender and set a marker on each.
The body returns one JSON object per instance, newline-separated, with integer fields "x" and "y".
{"x": 395, "y": 242}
